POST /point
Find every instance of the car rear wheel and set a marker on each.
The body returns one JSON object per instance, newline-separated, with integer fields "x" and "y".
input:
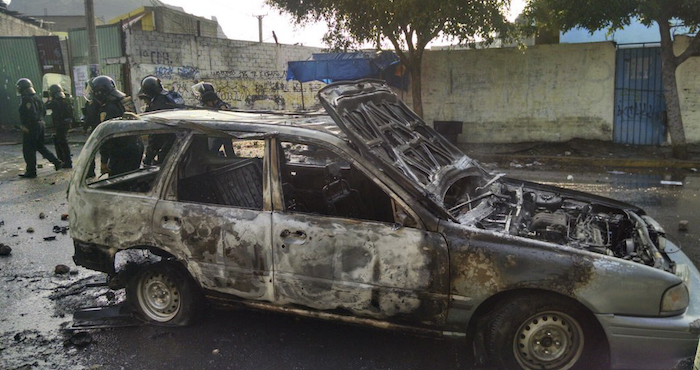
{"x": 164, "y": 294}
{"x": 544, "y": 332}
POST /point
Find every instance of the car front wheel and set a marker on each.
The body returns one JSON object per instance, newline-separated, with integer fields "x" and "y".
{"x": 164, "y": 294}
{"x": 544, "y": 332}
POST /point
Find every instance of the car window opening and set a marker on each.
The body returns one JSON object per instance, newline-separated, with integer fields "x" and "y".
{"x": 316, "y": 180}
{"x": 222, "y": 171}
{"x": 124, "y": 163}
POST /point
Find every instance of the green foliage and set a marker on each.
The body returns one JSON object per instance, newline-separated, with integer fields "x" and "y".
{"x": 605, "y": 14}
{"x": 407, "y": 24}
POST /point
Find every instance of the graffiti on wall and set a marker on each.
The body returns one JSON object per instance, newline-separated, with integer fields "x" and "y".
{"x": 240, "y": 88}
{"x": 170, "y": 72}
{"x": 156, "y": 57}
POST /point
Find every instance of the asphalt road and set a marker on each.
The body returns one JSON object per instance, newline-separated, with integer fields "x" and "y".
{"x": 36, "y": 305}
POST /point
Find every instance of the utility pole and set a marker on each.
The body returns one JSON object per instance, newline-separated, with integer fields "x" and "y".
{"x": 93, "y": 56}
{"x": 260, "y": 18}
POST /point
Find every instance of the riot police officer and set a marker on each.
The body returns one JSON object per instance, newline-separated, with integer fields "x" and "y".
{"x": 120, "y": 154}
{"x": 31, "y": 115}
{"x": 207, "y": 95}
{"x": 156, "y": 97}
{"x": 62, "y": 116}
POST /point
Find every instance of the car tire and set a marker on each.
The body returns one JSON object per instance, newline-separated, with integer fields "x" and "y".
{"x": 544, "y": 332}
{"x": 164, "y": 294}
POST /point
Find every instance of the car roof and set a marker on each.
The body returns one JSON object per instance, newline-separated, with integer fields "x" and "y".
{"x": 219, "y": 119}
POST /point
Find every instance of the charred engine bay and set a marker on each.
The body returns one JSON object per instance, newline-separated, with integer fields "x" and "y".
{"x": 556, "y": 217}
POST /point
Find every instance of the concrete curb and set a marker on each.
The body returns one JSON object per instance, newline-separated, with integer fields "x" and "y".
{"x": 591, "y": 161}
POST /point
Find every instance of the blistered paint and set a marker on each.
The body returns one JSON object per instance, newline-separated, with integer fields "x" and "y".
{"x": 230, "y": 247}
{"x": 370, "y": 269}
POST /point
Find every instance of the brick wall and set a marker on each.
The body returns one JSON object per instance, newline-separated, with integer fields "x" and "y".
{"x": 247, "y": 75}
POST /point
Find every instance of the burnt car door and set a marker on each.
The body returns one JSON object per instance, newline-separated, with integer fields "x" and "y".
{"x": 216, "y": 212}
{"x": 116, "y": 188}
{"x": 338, "y": 246}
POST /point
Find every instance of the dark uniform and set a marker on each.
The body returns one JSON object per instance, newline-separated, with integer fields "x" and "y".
{"x": 121, "y": 154}
{"x": 210, "y": 99}
{"x": 62, "y": 116}
{"x": 217, "y": 143}
{"x": 156, "y": 98}
{"x": 31, "y": 114}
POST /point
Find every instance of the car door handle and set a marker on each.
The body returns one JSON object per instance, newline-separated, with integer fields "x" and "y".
{"x": 171, "y": 223}
{"x": 299, "y": 234}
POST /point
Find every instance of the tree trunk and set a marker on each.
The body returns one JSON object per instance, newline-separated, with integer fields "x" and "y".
{"x": 674, "y": 120}
{"x": 416, "y": 87}
{"x": 673, "y": 111}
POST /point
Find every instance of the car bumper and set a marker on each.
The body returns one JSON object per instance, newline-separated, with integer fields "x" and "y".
{"x": 655, "y": 342}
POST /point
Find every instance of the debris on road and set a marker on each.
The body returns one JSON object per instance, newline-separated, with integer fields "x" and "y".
{"x": 104, "y": 317}
{"x": 5, "y": 250}
{"x": 64, "y": 217}
{"x": 42, "y": 216}
{"x": 60, "y": 229}
{"x": 61, "y": 269}
{"x": 30, "y": 230}
{"x": 570, "y": 177}
{"x": 80, "y": 339}
{"x": 667, "y": 182}
{"x": 49, "y": 238}
{"x": 683, "y": 225}
{"x": 215, "y": 351}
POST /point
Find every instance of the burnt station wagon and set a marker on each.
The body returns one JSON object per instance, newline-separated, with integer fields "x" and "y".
{"x": 367, "y": 215}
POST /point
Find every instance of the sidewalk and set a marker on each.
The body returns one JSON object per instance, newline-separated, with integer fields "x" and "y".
{"x": 586, "y": 153}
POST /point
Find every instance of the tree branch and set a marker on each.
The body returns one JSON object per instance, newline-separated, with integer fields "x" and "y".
{"x": 693, "y": 48}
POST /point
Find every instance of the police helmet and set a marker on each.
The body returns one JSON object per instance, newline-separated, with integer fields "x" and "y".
{"x": 25, "y": 86}
{"x": 150, "y": 87}
{"x": 56, "y": 91}
{"x": 205, "y": 92}
{"x": 103, "y": 87}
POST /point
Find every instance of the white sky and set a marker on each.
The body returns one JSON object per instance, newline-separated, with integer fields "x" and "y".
{"x": 238, "y": 20}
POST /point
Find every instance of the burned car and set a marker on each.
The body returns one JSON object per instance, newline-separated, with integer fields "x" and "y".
{"x": 367, "y": 215}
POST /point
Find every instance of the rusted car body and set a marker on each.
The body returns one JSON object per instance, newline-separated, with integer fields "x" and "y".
{"x": 367, "y": 215}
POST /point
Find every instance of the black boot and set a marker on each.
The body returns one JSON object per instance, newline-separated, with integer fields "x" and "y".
{"x": 58, "y": 164}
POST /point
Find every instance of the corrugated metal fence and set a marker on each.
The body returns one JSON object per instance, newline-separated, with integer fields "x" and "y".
{"x": 109, "y": 46}
{"x": 18, "y": 58}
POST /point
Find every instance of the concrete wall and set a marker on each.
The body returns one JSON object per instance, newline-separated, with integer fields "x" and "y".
{"x": 248, "y": 75}
{"x": 543, "y": 93}
{"x": 688, "y": 77}
{"x": 11, "y": 26}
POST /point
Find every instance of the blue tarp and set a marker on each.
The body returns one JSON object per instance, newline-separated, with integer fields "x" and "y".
{"x": 330, "y": 67}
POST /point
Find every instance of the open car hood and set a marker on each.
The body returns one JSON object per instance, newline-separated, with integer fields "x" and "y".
{"x": 397, "y": 140}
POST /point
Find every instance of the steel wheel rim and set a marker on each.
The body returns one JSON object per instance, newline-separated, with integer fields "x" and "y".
{"x": 159, "y": 296}
{"x": 548, "y": 340}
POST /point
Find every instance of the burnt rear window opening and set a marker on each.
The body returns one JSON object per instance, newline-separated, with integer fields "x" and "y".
{"x": 222, "y": 171}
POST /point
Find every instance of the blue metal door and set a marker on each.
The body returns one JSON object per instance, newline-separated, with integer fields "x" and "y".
{"x": 639, "y": 101}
